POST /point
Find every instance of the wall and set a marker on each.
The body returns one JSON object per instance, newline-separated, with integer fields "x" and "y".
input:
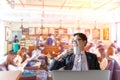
{"x": 2, "y": 40}
{"x": 91, "y": 26}
{"x": 16, "y": 27}
{"x": 118, "y": 34}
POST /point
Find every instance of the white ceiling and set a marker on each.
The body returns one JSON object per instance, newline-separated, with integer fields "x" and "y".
{"x": 56, "y": 11}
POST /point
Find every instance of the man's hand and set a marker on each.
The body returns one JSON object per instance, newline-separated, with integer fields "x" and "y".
{"x": 64, "y": 53}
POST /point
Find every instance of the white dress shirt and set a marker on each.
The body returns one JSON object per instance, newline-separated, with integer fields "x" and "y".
{"x": 80, "y": 62}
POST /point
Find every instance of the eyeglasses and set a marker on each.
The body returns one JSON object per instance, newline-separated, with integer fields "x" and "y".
{"x": 76, "y": 40}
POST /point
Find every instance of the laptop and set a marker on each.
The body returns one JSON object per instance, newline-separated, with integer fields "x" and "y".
{"x": 10, "y": 75}
{"x": 81, "y": 75}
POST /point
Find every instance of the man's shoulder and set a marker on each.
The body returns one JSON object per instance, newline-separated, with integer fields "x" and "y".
{"x": 89, "y": 53}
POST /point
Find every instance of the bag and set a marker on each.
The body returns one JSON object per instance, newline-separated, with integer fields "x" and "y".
{"x": 28, "y": 73}
{"x": 30, "y": 63}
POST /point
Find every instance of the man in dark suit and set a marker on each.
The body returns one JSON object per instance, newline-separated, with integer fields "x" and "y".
{"x": 76, "y": 58}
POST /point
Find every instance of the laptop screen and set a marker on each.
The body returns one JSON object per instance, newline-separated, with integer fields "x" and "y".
{"x": 81, "y": 75}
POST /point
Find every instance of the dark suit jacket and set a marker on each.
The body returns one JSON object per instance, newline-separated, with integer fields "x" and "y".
{"x": 68, "y": 61}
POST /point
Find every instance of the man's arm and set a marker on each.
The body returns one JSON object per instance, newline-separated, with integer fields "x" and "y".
{"x": 55, "y": 65}
{"x": 64, "y": 53}
{"x": 59, "y": 61}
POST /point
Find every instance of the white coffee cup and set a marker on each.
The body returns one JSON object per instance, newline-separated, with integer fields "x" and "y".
{"x": 76, "y": 50}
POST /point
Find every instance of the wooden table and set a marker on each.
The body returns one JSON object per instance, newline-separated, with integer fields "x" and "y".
{"x": 9, "y": 75}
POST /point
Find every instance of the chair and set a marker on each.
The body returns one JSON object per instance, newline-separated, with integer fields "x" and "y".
{"x": 31, "y": 48}
{"x": 116, "y": 71}
{"x": 44, "y": 62}
{"x": 110, "y": 67}
{"x": 53, "y": 51}
{"x": 3, "y": 67}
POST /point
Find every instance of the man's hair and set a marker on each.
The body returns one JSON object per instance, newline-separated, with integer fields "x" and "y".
{"x": 82, "y": 36}
{"x": 16, "y": 36}
{"x": 37, "y": 47}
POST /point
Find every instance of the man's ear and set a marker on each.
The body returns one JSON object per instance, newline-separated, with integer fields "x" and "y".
{"x": 85, "y": 43}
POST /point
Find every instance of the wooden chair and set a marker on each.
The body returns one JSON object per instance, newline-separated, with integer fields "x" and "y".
{"x": 116, "y": 71}
{"x": 30, "y": 49}
{"x": 67, "y": 46}
{"x": 51, "y": 51}
{"x": 110, "y": 67}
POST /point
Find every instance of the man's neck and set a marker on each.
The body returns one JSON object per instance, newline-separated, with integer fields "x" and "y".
{"x": 81, "y": 49}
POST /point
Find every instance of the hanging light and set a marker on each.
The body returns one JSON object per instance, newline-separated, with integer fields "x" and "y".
{"x": 60, "y": 24}
{"x": 95, "y": 24}
{"x": 21, "y": 27}
{"x": 12, "y": 4}
{"x": 78, "y": 27}
{"x": 42, "y": 27}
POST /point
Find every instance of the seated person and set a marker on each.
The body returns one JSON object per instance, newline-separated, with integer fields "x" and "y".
{"x": 14, "y": 62}
{"x": 102, "y": 59}
{"x": 36, "y": 53}
{"x": 38, "y": 57}
{"x": 79, "y": 59}
{"x": 22, "y": 52}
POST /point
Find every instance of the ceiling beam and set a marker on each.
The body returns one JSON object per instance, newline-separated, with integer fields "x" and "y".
{"x": 103, "y": 4}
{"x": 53, "y": 6}
{"x": 42, "y": 3}
{"x": 8, "y": 1}
{"x": 63, "y": 3}
{"x": 21, "y": 3}
{"x": 115, "y": 7}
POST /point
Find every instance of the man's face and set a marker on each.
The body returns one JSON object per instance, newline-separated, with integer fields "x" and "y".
{"x": 77, "y": 41}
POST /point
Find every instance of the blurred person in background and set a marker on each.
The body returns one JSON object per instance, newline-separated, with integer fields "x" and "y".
{"x": 49, "y": 40}
{"x": 14, "y": 62}
{"x": 102, "y": 58}
{"x": 16, "y": 45}
{"x": 23, "y": 52}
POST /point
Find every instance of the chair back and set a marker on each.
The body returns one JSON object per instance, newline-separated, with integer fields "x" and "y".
{"x": 110, "y": 67}
{"x": 53, "y": 51}
{"x": 116, "y": 72}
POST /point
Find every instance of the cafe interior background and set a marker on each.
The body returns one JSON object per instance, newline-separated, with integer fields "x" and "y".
{"x": 98, "y": 19}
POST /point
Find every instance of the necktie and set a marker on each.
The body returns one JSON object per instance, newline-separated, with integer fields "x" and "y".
{"x": 80, "y": 62}
{"x": 77, "y": 63}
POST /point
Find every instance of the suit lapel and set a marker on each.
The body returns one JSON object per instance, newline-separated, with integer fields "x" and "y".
{"x": 89, "y": 59}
